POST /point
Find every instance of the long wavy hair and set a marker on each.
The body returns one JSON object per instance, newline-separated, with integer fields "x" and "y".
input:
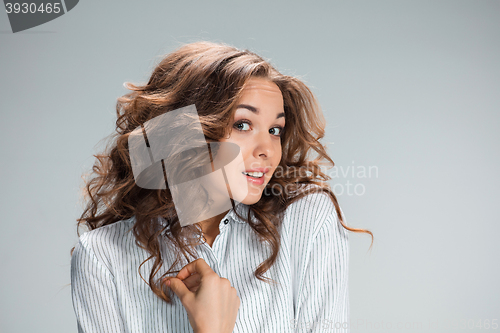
{"x": 211, "y": 76}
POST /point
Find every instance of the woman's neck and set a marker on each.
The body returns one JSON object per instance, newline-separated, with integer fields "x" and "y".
{"x": 210, "y": 227}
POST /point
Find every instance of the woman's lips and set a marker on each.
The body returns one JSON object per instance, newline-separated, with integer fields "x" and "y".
{"x": 263, "y": 170}
{"x": 257, "y": 181}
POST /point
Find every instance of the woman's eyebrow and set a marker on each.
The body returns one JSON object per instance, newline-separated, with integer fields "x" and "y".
{"x": 256, "y": 111}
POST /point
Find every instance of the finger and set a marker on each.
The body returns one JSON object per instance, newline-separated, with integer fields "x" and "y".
{"x": 179, "y": 289}
{"x": 197, "y": 266}
{"x": 192, "y": 281}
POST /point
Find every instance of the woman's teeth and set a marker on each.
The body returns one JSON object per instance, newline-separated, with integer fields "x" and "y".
{"x": 254, "y": 174}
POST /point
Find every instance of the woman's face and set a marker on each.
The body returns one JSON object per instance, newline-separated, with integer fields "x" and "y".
{"x": 256, "y": 128}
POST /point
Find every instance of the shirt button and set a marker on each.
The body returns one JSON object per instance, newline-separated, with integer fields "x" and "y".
{"x": 226, "y": 221}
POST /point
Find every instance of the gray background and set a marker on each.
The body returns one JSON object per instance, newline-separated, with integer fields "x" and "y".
{"x": 411, "y": 88}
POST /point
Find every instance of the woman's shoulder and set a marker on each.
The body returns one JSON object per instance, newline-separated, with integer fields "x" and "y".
{"x": 305, "y": 217}
{"x": 310, "y": 220}
{"x": 103, "y": 243}
{"x": 316, "y": 205}
{"x": 108, "y": 233}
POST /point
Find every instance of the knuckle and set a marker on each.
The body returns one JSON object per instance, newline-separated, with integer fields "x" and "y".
{"x": 225, "y": 282}
{"x": 211, "y": 277}
{"x": 212, "y": 274}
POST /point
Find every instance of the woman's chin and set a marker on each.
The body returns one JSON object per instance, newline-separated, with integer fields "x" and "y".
{"x": 251, "y": 198}
{"x": 250, "y": 201}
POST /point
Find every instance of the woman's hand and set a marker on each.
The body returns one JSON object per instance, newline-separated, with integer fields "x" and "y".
{"x": 211, "y": 302}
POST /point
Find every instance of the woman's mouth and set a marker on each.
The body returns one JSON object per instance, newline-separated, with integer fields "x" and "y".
{"x": 254, "y": 177}
{"x": 254, "y": 174}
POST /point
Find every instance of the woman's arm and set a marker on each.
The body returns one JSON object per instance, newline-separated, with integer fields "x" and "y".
{"x": 323, "y": 301}
{"x": 93, "y": 291}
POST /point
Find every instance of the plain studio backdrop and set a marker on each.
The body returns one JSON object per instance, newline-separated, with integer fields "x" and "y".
{"x": 410, "y": 91}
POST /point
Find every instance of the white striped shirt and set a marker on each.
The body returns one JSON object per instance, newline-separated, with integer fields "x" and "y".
{"x": 311, "y": 270}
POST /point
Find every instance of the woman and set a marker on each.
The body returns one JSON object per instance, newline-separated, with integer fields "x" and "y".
{"x": 273, "y": 257}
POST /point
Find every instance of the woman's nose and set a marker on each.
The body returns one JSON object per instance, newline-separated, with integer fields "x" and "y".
{"x": 264, "y": 146}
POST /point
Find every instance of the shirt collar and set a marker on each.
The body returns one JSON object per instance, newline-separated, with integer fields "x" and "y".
{"x": 241, "y": 208}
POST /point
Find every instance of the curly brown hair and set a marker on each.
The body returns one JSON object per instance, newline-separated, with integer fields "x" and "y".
{"x": 211, "y": 76}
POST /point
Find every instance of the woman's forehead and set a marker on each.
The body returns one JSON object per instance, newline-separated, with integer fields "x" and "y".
{"x": 261, "y": 84}
{"x": 262, "y": 93}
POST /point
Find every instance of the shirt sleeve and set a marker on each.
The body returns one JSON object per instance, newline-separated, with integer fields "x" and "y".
{"x": 93, "y": 291}
{"x": 323, "y": 295}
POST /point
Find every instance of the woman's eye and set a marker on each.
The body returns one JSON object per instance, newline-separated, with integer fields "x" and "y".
{"x": 240, "y": 125}
{"x": 280, "y": 130}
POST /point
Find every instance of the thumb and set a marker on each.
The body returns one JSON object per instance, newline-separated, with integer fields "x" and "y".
{"x": 179, "y": 288}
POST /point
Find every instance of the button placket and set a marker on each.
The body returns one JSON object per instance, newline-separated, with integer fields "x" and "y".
{"x": 210, "y": 253}
{"x": 220, "y": 243}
